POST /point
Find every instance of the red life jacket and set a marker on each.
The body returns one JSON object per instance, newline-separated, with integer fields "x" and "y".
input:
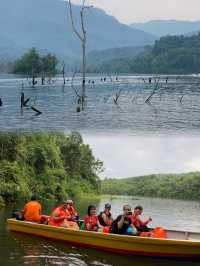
{"x": 73, "y": 212}
{"x": 136, "y": 221}
{"x": 91, "y": 221}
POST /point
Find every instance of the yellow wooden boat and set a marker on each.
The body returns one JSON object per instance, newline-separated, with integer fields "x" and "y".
{"x": 177, "y": 245}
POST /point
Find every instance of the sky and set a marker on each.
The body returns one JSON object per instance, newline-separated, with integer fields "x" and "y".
{"x": 130, "y": 156}
{"x": 129, "y": 11}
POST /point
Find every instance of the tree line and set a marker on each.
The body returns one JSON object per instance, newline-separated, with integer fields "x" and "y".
{"x": 180, "y": 186}
{"x": 52, "y": 165}
{"x": 169, "y": 55}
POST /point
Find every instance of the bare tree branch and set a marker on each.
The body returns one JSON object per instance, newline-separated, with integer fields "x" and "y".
{"x": 72, "y": 85}
{"x": 82, "y": 38}
{"x": 153, "y": 92}
{"x": 117, "y": 97}
{"x": 72, "y": 21}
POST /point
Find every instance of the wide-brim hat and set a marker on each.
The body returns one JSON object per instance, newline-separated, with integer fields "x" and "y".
{"x": 68, "y": 202}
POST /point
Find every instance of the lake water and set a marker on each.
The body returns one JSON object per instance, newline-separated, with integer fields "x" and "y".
{"x": 129, "y": 137}
{"x": 20, "y": 249}
{"x": 175, "y": 107}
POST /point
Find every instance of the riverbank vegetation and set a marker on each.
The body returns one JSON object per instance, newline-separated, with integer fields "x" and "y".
{"x": 51, "y": 165}
{"x": 180, "y": 186}
{"x": 169, "y": 55}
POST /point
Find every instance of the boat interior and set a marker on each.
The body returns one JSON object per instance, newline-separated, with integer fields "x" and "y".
{"x": 181, "y": 235}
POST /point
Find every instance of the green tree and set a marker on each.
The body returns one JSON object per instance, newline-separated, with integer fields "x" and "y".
{"x": 50, "y": 164}
{"x": 49, "y": 63}
{"x": 29, "y": 63}
{"x": 33, "y": 64}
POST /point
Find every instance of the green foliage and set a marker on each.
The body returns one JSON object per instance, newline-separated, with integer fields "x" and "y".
{"x": 51, "y": 165}
{"x": 169, "y": 55}
{"x": 49, "y": 63}
{"x": 32, "y": 63}
{"x": 182, "y": 186}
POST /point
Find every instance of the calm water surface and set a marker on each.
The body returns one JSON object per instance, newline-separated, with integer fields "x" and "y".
{"x": 174, "y": 108}
{"x": 19, "y": 249}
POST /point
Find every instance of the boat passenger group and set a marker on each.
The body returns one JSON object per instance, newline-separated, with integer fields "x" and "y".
{"x": 65, "y": 215}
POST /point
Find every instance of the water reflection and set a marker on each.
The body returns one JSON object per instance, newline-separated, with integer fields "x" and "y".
{"x": 51, "y": 253}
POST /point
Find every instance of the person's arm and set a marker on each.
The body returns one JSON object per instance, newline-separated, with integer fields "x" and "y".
{"x": 58, "y": 218}
{"x": 68, "y": 216}
{"x": 145, "y": 223}
{"x": 99, "y": 225}
{"x": 74, "y": 215}
{"x": 134, "y": 228}
{"x": 87, "y": 224}
{"x": 40, "y": 210}
{"x": 121, "y": 222}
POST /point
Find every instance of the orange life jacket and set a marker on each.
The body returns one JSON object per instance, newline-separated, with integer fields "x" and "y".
{"x": 58, "y": 212}
{"x": 32, "y": 211}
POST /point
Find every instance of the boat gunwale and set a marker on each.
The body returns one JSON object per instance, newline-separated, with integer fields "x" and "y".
{"x": 113, "y": 237}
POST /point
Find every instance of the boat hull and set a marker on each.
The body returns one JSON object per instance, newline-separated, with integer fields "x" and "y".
{"x": 131, "y": 245}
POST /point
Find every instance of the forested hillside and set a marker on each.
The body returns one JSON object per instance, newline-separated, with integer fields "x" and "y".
{"x": 182, "y": 186}
{"x": 169, "y": 55}
{"x": 51, "y": 165}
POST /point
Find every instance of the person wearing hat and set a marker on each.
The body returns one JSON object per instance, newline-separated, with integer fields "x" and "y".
{"x": 72, "y": 211}
{"x": 61, "y": 217}
{"x": 105, "y": 217}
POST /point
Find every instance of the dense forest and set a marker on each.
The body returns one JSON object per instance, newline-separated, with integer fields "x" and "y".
{"x": 51, "y": 165}
{"x": 169, "y": 55}
{"x": 182, "y": 186}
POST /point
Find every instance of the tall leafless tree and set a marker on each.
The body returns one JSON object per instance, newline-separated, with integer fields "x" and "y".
{"x": 83, "y": 39}
{"x": 63, "y": 73}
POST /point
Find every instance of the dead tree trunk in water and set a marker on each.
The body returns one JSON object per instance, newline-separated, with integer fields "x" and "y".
{"x": 63, "y": 73}
{"x": 83, "y": 38}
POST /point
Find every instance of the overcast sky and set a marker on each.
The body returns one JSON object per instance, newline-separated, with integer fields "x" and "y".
{"x": 129, "y": 11}
{"x": 128, "y": 156}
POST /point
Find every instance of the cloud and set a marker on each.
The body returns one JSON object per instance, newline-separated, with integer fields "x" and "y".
{"x": 127, "y": 156}
{"x": 129, "y": 11}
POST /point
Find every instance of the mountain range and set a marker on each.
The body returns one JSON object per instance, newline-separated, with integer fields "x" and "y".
{"x": 45, "y": 25}
{"x": 168, "y": 27}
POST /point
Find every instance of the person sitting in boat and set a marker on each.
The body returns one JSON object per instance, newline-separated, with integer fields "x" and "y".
{"x": 61, "y": 217}
{"x": 105, "y": 217}
{"x": 123, "y": 224}
{"x": 137, "y": 222}
{"x": 32, "y": 210}
{"x": 91, "y": 222}
{"x": 72, "y": 211}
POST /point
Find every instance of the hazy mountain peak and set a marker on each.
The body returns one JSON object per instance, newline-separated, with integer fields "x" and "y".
{"x": 168, "y": 27}
{"x": 45, "y": 24}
